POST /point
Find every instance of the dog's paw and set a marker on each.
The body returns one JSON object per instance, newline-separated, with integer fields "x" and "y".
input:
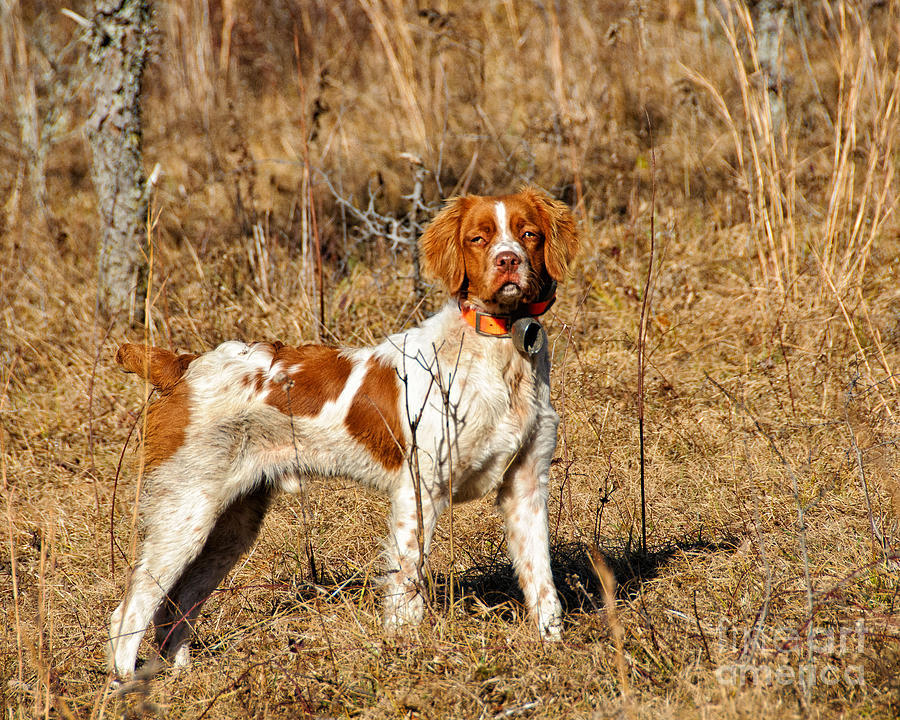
{"x": 551, "y": 630}
{"x": 550, "y": 622}
{"x": 403, "y": 608}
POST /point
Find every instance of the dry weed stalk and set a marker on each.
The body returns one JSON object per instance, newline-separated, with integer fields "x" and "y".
{"x": 770, "y": 190}
{"x": 608, "y": 583}
{"x": 20, "y": 70}
{"x": 309, "y": 237}
{"x": 131, "y": 554}
{"x": 43, "y": 650}
{"x": 877, "y": 534}
{"x": 189, "y": 33}
{"x": 393, "y": 33}
{"x": 13, "y": 563}
{"x": 752, "y": 643}
{"x": 413, "y": 418}
{"x": 225, "y": 45}
{"x": 865, "y": 120}
{"x": 258, "y": 256}
{"x": 646, "y": 305}
{"x": 800, "y": 507}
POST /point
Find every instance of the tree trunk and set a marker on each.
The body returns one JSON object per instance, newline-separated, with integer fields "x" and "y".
{"x": 119, "y": 49}
{"x": 770, "y": 21}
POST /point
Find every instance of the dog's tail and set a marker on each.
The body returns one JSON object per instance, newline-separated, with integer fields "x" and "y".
{"x": 162, "y": 368}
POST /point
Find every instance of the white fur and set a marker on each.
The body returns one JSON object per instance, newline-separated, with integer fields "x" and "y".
{"x": 483, "y": 421}
{"x": 505, "y": 241}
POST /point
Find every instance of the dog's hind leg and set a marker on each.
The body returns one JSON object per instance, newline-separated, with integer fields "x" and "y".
{"x": 233, "y": 534}
{"x": 179, "y": 517}
{"x": 171, "y": 545}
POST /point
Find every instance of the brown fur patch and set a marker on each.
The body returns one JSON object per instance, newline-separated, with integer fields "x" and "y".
{"x": 439, "y": 245}
{"x": 167, "y": 419}
{"x": 255, "y": 379}
{"x": 318, "y": 375}
{"x": 558, "y": 225}
{"x": 162, "y": 368}
{"x": 374, "y": 415}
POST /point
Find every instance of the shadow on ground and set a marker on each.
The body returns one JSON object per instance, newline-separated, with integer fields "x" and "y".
{"x": 576, "y": 581}
{"x": 493, "y": 584}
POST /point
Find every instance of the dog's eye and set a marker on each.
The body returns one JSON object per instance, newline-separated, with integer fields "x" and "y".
{"x": 477, "y": 240}
{"x": 528, "y": 235}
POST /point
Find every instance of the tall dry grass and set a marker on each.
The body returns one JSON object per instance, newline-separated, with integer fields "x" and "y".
{"x": 841, "y": 219}
{"x": 771, "y": 329}
{"x": 813, "y": 240}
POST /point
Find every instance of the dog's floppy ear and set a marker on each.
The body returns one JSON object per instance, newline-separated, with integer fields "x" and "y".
{"x": 439, "y": 246}
{"x": 560, "y": 235}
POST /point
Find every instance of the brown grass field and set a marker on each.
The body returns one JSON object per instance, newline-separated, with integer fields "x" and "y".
{"x": 771, "y": 304}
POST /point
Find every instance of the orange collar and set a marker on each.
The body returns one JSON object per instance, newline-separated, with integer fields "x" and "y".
{"x": 500, "y": 325}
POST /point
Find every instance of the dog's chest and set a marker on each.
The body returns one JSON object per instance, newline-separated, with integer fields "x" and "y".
{"x": 502, "y": 397}
{"x": 491, "y": 419}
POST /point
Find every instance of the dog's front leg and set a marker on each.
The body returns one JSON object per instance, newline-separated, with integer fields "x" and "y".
{"x": 523, "y": 501}
{"x": 404, "y": 602}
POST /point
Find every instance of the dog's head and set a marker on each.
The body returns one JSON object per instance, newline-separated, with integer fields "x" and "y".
{"x": 499, "y": 252}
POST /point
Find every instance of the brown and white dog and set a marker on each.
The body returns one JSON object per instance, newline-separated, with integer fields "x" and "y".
{"x": 458, "y": 406}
